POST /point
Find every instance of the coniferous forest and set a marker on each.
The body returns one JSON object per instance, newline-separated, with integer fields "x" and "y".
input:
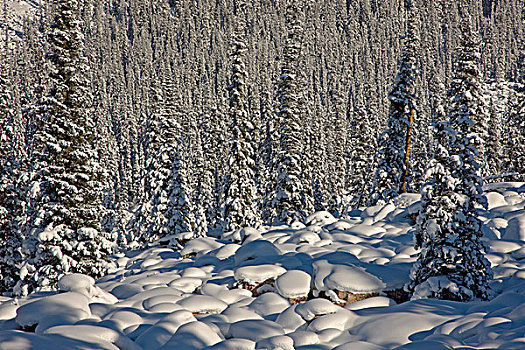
{"x": 125, "y": 123}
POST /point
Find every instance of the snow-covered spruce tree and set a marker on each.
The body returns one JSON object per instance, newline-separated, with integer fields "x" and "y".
{"x": 394, "y": 143}
{"x": 493, "y": 142}
{"x": 213, "y": 133}
{"x": 12, "y": 205}
{"x": 179, "y": 211}
{"x": 240, "y": 191}
{"x": 516, "y": 119}
{"x": 202, "y": 190}
{"x": 517, "y": 123}
{"x": 465, "y": 95}
{"x": 289, "y": 199}
{"x": 169, "y": 209}
{"x": 451, "y": 264}
{"x": 63, "y": 229}
{"x": 361, "y": 146}
{"x": 337, "y": 139}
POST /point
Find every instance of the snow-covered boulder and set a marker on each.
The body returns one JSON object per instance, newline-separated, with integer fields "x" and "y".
{"x": 258, "y": 273}
{"x": 255, "y": 330}
{"x": 202, "y": 304}
{"x": 103, "y": 336}
{"x": 293, "y": 284}
{"x": 316, "y": 307}
{"x": 54, "y": 310}
{"x": 254, "y": 250}
{"x": 85, "y": 285}
{"x": 193, "y": 335}
{"x": 320, "y": 218}
{"x": 352, "y": 279}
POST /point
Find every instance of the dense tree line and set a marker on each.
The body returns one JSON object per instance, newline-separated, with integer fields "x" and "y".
{"x": 126, "y": 121}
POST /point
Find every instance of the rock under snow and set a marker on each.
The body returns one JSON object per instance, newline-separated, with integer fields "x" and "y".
{"x": 258, "y": 273}
{"x": 54, "y": 310}
{"x": 293, "y": 284}
{"x": 316, "y": 307}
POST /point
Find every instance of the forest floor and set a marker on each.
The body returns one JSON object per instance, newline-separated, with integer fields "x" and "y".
{"x": 328, "y": 284}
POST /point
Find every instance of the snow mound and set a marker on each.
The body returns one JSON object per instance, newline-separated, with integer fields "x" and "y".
{"x": 316, "y": 307}
{"x": 193, "y": 335}
{"x": 54, "y": 310}
{"x": 202, "y": 304}
{"x": 346, "y": 278}
{"x": 366, "y": 230}
{"x": 255, "y": 330}
{"x": 293, "y": 284}
{"x": 320, "y": 218}
{"x": 254, "y": 250}
{"x": 85, "y": 285}
{"x": 258, "y": 273}
{"x": 103, "y": 336}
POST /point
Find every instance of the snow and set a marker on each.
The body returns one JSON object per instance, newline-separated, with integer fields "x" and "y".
{"x": 259, "y": 273}
{"x": 316, "y": 307}
{"x": 293, "y": 284}
{"x": 162, "y": 299}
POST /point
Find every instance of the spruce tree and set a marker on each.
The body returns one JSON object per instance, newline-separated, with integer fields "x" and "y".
{"x": 213, "y": 132}
{"x": 290, "y": 200}
{"x": 12, "y": 204}
{"x": 240, "y": 191}
{"x": 451, "y": 264}
{"x": 63, "y": 228}
{"x": 361, "y": 147}
{"x": 169, "y": 209}
{"x": 516, "y": 119}
{"x": 394, "y": 144}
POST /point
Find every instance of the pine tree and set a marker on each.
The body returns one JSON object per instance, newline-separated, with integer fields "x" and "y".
{"x": 394, "y": 144}
{"x": 290, "y": 199}
{"x": 63, "y": 230}
{"x": 240, "y": 191}
{"x": 451, "y": 264}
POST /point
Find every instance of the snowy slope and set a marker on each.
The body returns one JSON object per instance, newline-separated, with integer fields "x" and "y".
{"x": 332, "y": 284}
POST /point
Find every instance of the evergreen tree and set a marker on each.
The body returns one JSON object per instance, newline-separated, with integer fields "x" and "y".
{"x": 394, "y": 144}
{"x": 337, "y": 140}
{"x": 240, "y": 191}
{"x": 466, "y": 94}
{"x": 290, "y": 198}
{"x": 451, "y": 264}
{"x": 213, "y": 144}
{"x": 63, "y": 230}
{"x": 179, "y": 211}
{"x": 517, "y": 123}
{"x": 169, "y": 210}
{"x": 516, "y": 147}
{"x": 361, "y": 148}
{"x": 12, "y": 205}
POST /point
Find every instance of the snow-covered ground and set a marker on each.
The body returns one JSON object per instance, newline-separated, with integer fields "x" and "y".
{"x": 329, "y": 284}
